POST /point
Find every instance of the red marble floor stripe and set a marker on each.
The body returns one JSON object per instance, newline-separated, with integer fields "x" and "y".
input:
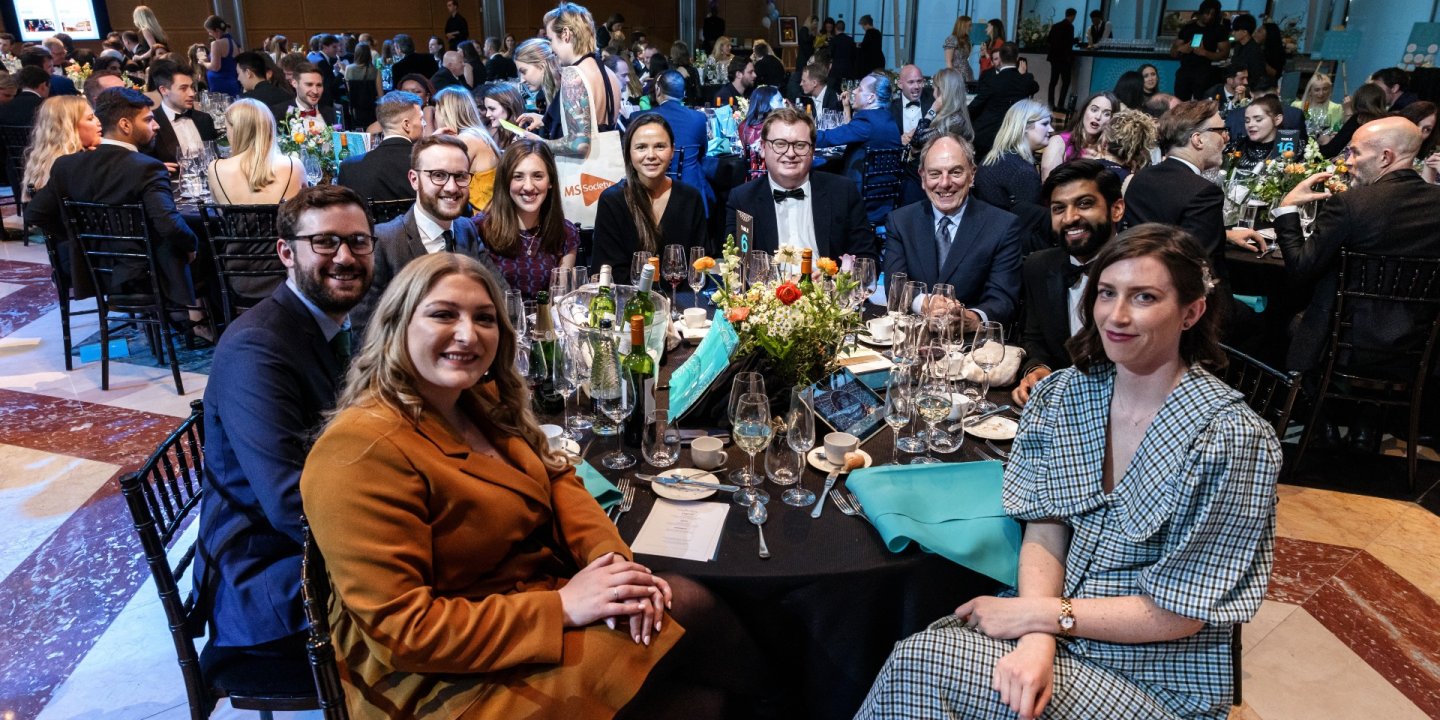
{"x": 61, "y": 599}
{"x": 1302, "y": 567}
{"x": 1389, "y": 623}
{"x": 24, "y": 306}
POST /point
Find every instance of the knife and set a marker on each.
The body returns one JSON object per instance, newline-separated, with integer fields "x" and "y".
{"x": 674, "y": 480}
{"x": 971, "y": 422}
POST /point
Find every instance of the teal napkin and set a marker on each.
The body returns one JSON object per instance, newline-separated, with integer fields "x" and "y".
{"x": 950, "y": 509}
{"x": 600, "y": 488}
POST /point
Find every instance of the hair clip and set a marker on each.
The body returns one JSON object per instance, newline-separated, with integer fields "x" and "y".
{"x": 1207, "y": 278}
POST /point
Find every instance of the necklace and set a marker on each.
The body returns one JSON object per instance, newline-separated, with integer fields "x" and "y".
{"x": 527, "y": 238}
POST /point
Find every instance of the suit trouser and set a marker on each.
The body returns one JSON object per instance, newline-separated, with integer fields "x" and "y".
{"x": 1060, "y": 72}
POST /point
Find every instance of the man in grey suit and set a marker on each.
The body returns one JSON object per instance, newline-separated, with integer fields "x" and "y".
{"x": 440, "y": 178}
{"x": 955, "y": 239}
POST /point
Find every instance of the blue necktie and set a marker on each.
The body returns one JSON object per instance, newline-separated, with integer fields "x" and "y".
{"x": 942, "y": 239}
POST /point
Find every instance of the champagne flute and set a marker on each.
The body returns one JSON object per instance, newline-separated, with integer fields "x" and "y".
{"x": 987, "y": 351}
{"x": 672, "y": 266}
{"x": 696, "y": 277}
{"x": 744, "y": 383}
{"x": 515, "y": 308}
{"x": 661, "y": 448}
{"x": 617, "y": 402}
{"x": 751, "y": 433}
{"x": 899, "y": 296}
{"x": 800, "y": 437}
{"x": 899, "y": 411}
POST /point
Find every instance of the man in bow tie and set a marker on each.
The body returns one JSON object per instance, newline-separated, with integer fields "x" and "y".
{"x": 1085, "y": 206}
{"x": 792, "y": 206}
{"x": 183, "y": 131}
{"x": 914, "y": 101}
{"x": 308, "y": 105}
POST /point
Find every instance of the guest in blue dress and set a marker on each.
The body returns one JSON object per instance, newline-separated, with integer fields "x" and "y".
{"x": 220, "y": 73}
{"x": 1148, "y": 487}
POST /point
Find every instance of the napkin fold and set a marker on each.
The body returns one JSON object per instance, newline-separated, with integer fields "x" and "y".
{"x": 600, "y": 488}
{"x": 1006, "y": 373}
{"x": 949, "y": 509}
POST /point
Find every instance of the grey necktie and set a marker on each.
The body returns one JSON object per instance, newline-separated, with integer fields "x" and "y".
{"x": 449, "y": 238}
{"x": 942, "y": 239}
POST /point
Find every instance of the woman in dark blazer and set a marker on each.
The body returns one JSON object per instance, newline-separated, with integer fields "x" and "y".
{"x": 646, "y": 210}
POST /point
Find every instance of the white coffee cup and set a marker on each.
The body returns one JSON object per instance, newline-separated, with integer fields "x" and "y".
{"x": 837, "y": 444}
{"x": 707, "y": 452}
{"x": 695, "y": 318}
{"x": 881, "y": 328}
{"x": 553, "y": 436}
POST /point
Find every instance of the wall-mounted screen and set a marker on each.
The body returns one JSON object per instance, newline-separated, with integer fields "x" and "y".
{"x": 35, "y": 20}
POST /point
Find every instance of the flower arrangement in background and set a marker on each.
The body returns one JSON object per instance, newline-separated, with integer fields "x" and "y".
{"x": 1033, "y": 34}
{"x": 300, "y": 135}
{"x": 11, "y": 63}
{"x": 798, "y": 325}
{"x": 1274, "y": 179}
{"x": 78, "y": 73}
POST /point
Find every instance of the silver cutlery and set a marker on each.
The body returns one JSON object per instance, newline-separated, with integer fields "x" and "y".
{"x": 842, "y": 504}
{"x": 983, "y": 455}
{"x": 852, "y": 461}
{"x": 1004, "y": 456}
{"x": 676, "y": 480}
{"x": 855, "y": 503}
{"x": 613, "y": 512}
{"x": 757, "y": 514}
{"x": 972, "y": 422}
{"x": 626, "y": 502}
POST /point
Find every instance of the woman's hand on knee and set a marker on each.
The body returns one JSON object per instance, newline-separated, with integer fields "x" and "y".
{"x": 1025, "y": 678}
{"x": 608, "y": 587}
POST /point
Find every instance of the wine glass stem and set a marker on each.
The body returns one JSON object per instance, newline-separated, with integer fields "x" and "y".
{"x": 985, "y": 385}
{"x": 929, "y": 441}
{"x": 895, "y": 447}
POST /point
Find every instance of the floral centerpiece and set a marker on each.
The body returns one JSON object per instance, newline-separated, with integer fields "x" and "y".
{"x": 1273, "y": 179}
{"x": 1032, "y": 33}
{"x": 303, "y": 136}
{"x": 796, "y": 326}
{"x": 78, "y": 73}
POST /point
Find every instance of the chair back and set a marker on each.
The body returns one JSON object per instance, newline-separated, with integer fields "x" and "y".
{"x": 880, "y": 180}
{"x": 241, "y": 239}
{"x": 363, "y": 97}
{"x": 160, "y": 496}
{"x": 16, "y": 140}
{"x": 1387, "y": 312}
{"x": 382, "y": 211}
{"x": 120, "y": 254}
{"x": 315, "y": 589}
{"x": 1269, "y": 392}
{"x": 674, "y": 172}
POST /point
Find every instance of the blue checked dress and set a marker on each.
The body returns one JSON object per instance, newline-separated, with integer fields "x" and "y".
{"x": 1191, "y": 525}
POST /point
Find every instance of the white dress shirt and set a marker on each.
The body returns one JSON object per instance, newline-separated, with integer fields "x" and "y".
{"x": 795, "y": 220}
{"x": 1073, "y": 295}
{"x": 430, "y": 229}
{"x": 909, "y": 115}
{"x": 186, "y": 133}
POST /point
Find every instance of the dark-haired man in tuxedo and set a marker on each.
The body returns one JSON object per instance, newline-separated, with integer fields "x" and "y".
{"x": 334, "y": 84}
{"x": 381, "y": 174}
{"x": 182, "y": 131}
{"x": 815, "y": 84}
{"x": 34, "y": 88}
{"x": 309, "y": 104}
{"x": 250, "y": 67}
{"x": 998, "y": 91}
{"x": 793, "y": 206}
{"x": 1085, "y": 207}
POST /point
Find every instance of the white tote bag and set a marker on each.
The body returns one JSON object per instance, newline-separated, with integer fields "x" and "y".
{"x": 582, "y": 179}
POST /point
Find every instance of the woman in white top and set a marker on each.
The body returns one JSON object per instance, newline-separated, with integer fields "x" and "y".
{"x": 255, "y": 173}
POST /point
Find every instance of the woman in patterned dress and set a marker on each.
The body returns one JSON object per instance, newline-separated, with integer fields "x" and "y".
{"x": 1149, "y": 534}
{"x": 525, "y": 230}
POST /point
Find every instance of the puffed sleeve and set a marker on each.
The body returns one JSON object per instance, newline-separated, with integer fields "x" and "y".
{"x": 367, "y": 505}
{"x": 1026, "y": 473}
{"x": 1220, "y": 544}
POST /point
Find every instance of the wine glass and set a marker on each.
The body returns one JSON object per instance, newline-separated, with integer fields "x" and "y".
{"x": 938, "y": 306}
{"x": 696, "y": 277}
{"x": 799, "y": 437}
{"x": 900, "y": 296}
{"x": 616, "y": 399}
{"x": 932, "y": 402}
{"x": 577, "y": 367}
{"x": 744, "y": 382}
{"x": 863, "y": 273}
{"x": 898, "y": 408}
{"x": 565, "y": 374}
{"x": 757, "y": 268}
{"x": 638, "y": 260}
{"x": 751, "y": 432}
{"x": 987, "y": 351}
{"x": 313, "y": 171}
{"x": 672, "y": 266}
{"x": 661, "y": 447}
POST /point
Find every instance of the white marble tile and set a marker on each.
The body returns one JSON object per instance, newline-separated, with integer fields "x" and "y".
{"x": 16, "y": 250}
{"x": 1269, "y": 617}
{"x": 38, "y": 491}
{"x": 7, "y": 288}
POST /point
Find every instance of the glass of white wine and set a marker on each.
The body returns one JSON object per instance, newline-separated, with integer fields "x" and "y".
{"x": 932, "y": 402}
{"x": 752, "y": 433}
{"x": 898, "y": 409}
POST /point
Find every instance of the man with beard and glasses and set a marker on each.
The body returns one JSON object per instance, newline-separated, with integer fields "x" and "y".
{"x": 440, "y": 178}
{"x": 1085, "y": 205}
{"x": 277, "y": 371}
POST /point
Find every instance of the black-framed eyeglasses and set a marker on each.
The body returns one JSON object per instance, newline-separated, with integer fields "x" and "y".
{"x": 801, "y": 147}
{"x": 329, "y": 243}
{"x": 1222, "y": 131}
{"x": 439, "y": 177}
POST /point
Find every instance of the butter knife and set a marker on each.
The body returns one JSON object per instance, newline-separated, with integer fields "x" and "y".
{"x": 972, "y": 422}
{"x": 675, "y": 480}
{"x": 829, "y": 484}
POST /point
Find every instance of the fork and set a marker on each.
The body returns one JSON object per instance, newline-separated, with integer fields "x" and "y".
{"x": 627, "y": 497}
{"x": 855, "y": 503}
{"x": 843, "y": 504}
{"x": 1004, "y": 456}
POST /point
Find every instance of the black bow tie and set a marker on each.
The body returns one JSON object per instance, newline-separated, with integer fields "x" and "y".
{"x": 187, "y": 114}
{"x": 783, "y": 195}
{"x": 912, "y": 103}
{"x": 1072, "y": 272}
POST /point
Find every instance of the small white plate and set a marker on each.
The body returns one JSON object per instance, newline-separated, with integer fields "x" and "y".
{"x": 817, "y": 460}
{"x": 994, "y": 428}
{"x": 682, "y": 492}
{"x": 691, "y": 334}
{"x": 869, "y": 339}
{"x": 571, "y": 449}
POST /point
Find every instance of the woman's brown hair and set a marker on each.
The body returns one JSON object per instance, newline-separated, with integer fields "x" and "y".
{"x": 501, "y": 227}
{"x": 1192, "y": 277}
{"x": 637, "y": 197}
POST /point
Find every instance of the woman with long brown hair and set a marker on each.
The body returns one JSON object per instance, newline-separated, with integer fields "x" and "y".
{"x": 525, "y": 230}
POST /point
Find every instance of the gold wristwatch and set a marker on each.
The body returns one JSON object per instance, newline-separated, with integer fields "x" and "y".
{"x": 1067, "y": 617}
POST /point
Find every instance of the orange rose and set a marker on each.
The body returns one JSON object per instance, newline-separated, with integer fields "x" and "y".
{"x": 788, "y": 292}
{"x": 1288, "y": 154}
{"x": 736, "y": 315}
{"x": 704, "y": 263}
{"x": 828, "y": 266}
{"x": 299, "y": 138}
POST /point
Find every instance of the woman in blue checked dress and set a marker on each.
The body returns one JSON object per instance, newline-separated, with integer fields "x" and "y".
{"x": 1148, "y": 487}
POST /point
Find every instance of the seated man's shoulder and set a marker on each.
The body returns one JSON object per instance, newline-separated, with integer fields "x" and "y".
{"x": 1038, "y": 262}
{"x": 829, "y": 183}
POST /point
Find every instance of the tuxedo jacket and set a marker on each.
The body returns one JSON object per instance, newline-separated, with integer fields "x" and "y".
{"x": 270, "y": 95}
{"x": 997, "y": 92}
{"x": 840, "y": 225}
{"x": 20, "y": 111}
{"x": 831, "y": 102}
{"x": 897, "y": 107}
{"x": 334, "y": 83}
{"x": 1171, "y": 193}
{"x": 382, "y": 173}
{"x": 1394, "y": 216}
{"x": 984, "y": 260}
{"x": 167, "y": 145}
{"x": 1047, "y": 319}
{"x": 325, "y": 111}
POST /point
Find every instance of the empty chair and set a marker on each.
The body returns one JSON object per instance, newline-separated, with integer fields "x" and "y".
{"x": 16, "y": 140}
{"x": 1269, "y": 392}
{"x": 880, "y": 181}
{"x": 63, "y": 274}
{"x": 242, "y": 240}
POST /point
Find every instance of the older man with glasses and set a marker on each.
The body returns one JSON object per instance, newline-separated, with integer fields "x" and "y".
{"x": 820, "y": 211}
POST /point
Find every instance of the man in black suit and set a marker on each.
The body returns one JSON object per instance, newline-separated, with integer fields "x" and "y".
{"x": 182, "y": 131}
{"x": 34, "y": 88}
{"x": 872, "y": 48}
{"x": 1394, "y": 81}
{"x": 453, "y": 73}
{"x": 381, "y": 174}
{"x": 250, "y": 66}
{"x": 843, "y": 60}
{"x": 1085, "y": 206}
{"x": 998, "y": 91}
{"x": 742, "y": 81}
{"x": 815, "y": 83}
{"x": 912, "y": 103}
{"x": 277, "y": 372}
{"x": 41, "y": 58}
{"x": 330, "y": 49}
{"x": 308, "y": 105}
{"x": 429, "y": 226}
{"x": 412, "y": 63}
{"x": 498, "y": 67}
{"x": 1061, "y": 56}
{"x": 791, "y": 205}
{"x": 1390, "y": 211}
{"x": 768, "y": 68}
{"x": 116, "y": 173}
{"x": 457, "y": 30}
{"x": 955, "y": 239}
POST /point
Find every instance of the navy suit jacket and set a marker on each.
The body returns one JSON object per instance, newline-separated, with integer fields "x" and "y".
{"x": 691, "y": 137}
{"x": 60, "y": 85}
{"x": 867, "y": 130}
{"x": 984, "y": 259}
{"x": 382, "y": 173}
{"x": 274, "y": 378}
{"x": 840, "y": 225}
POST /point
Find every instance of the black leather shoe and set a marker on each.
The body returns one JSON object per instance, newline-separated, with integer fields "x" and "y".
{"x": 1365, "y": 439}
{"x": 1327, "y": 436}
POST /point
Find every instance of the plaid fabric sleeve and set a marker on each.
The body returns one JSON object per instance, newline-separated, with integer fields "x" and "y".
{"x": 1025, "y": 474}
{"x": 1220, "y": 545}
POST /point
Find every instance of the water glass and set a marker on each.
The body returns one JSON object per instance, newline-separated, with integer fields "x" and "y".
{"x": 661, "y": 447}
{"x": 784, "y": 467}
{"x": 987, "y": 351}
{"x": 757, "y": 267}
{"x": 751, "y": 432}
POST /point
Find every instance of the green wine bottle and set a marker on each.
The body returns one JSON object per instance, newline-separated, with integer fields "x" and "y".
{"x": 546, "y": 398}
{"x": 806, "y": 265}
{"x": 602, "y": 306}
{"x": 640, "y": 303}
{"x": 642, "y": 375}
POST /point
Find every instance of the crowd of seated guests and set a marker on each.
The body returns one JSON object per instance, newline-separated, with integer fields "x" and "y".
{"x": 999, "y": 207}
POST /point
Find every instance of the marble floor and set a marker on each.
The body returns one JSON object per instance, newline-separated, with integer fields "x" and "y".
{"x": 1348, "y": 629}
